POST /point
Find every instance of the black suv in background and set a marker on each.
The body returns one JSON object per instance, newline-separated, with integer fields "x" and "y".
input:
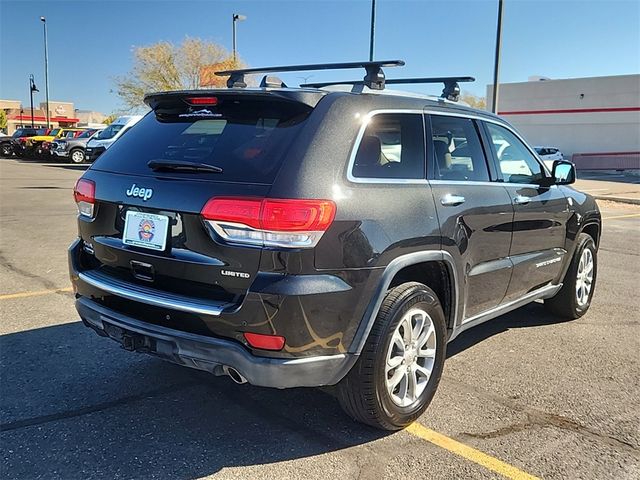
{"x": 325, "y": 235}
{"x": 9, "y": 145}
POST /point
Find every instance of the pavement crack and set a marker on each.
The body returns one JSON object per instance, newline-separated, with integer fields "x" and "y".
{"x": 538, "y": 418}
{"x": 48, "y": 284}
{"x": 78, "y": 412}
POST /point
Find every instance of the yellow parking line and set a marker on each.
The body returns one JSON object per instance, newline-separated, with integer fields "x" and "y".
{"x": 623, "y": 216}
{"x": 8, "y": 296}
{"x": 476, "y": 456}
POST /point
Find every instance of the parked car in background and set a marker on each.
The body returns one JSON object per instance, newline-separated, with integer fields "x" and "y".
{"x": 8, "y": 144}
{"x": 549, "y": 155}
{"x": 73, "y": 148}
{"x": 99, "y": 143}
{"x": 35, "y": 146}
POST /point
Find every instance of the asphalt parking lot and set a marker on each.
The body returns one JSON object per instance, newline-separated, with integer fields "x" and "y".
{"x": 524, "y": 395}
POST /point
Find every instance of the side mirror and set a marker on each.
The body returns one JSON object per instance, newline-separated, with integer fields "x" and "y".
{"x": 563, "y": 172}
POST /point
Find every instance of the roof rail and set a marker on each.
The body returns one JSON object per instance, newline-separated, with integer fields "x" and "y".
{"x": 451, "y": 90}
{"x": 374, "y": 79}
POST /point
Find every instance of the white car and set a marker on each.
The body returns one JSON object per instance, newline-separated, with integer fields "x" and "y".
{"x": 549, "y": 155}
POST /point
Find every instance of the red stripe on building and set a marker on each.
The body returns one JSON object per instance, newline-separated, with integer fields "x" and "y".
{"x": 571, "y": 110}
{"x": 40, "y": 118}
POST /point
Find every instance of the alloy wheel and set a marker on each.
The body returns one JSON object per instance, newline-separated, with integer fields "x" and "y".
{"x": 584, "y": 279}
{"x": 410, "y": 357}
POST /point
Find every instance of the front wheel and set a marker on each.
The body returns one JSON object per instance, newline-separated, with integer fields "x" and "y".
{"x": 399, "y": 369}
{"x": 77, "y": 155}
{"x": 6, "y": 150}
{"x": 574, "y": 298}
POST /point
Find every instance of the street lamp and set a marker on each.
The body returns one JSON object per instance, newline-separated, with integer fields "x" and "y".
{"x": 236, "y": 18}
{"x": 32, "y": 88}
{"x": 46, "y": 67}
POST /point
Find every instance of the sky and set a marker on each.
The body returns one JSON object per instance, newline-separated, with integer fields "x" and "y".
{"x": 91, "y": 41}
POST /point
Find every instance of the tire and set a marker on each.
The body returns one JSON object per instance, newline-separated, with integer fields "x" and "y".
{"x": 6, "y": 150}
{"x": 77, "y": 156}
{"x": 365, "y": 393}
{"x": 571, "y": 303}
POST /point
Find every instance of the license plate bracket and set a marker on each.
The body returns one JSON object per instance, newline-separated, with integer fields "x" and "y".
{"x": 145, "y": 230}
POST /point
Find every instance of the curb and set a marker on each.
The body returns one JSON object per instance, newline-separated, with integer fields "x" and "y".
{"x": 630, "y": 201}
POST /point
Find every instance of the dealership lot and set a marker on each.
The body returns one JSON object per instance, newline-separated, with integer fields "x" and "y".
{"x": 521, "y": 395}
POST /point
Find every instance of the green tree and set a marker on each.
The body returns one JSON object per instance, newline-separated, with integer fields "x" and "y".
{"x": 3, "y": 120}
{"x": 164, "y": 66}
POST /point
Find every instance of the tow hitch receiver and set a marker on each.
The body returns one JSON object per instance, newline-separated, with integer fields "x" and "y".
{"x": 130, "y": 341}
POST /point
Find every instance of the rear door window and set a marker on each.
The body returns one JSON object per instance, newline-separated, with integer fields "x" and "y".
{"x": 392, "y": 147}
{"x": 457, "y": 149}
{"x": 245, "y": 138}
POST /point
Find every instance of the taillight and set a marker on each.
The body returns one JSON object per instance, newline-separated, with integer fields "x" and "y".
{"x": 84, "y": 194}
{"x": 265, "y": 342}
{"x": 294, "y": 223}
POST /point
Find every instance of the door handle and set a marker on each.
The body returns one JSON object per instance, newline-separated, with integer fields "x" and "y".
{"x": 521, "y": 200}
{"x": 452, "y": 200}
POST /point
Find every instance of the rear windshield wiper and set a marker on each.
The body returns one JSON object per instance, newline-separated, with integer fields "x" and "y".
{"x": 179, "y": 165}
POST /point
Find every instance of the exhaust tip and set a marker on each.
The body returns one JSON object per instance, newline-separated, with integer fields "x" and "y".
{"x": 234, "y": 374}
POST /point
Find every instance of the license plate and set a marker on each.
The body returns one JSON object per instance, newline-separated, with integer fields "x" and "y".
{"x": 146, "y": 230}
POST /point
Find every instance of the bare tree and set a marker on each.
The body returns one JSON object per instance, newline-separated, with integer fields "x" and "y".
{"x": 164, "y": 66}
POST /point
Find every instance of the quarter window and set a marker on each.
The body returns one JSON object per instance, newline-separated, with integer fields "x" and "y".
{"x": 516, "y": 162}
{"x": 392, "y": 147}
{"x": 457, "y": 150}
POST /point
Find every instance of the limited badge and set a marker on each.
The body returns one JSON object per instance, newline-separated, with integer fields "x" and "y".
{"x": 146, "y": 230}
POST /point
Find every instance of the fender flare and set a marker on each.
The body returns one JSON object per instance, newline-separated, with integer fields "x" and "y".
{"x": 390, "y": 271}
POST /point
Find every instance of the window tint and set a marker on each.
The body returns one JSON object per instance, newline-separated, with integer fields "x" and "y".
{"x": 246, "y": 138}
{"x": 392, "y": 147}
{"x": 516, "y": 162}
{"x": 457, "y": 149}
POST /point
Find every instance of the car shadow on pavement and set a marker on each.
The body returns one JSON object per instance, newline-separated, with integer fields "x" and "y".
{"x": 74, "y": 405}
{"x": 532, "y": 315}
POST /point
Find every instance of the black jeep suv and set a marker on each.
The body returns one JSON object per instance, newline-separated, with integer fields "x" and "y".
{"x": 324, "y": 235}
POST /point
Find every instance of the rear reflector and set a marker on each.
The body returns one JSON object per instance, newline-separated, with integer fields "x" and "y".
{"x": 270, "y": 222}
{"x": 84, "y": 194}
{"x": 265, "y": 342}
{"x": 202, "y": 100}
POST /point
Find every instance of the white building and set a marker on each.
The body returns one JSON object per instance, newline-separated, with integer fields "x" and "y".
{"x": 595, "y": 121}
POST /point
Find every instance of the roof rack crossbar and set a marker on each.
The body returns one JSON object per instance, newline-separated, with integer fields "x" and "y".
{"x": 373, "y": 79}
{"x": 451, "y": 90}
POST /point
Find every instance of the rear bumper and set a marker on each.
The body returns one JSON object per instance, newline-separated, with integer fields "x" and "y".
{"x": 211, "y": 354}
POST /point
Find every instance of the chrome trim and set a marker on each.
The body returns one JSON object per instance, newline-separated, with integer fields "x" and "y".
{"x": 150, "y": 296}
{"x": 544, "y": 292}
{"x": 427, "y": 111}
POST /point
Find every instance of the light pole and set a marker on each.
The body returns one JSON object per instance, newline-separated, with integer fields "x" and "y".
{"x": 373, "y": 27}
{"x": 46, "y": 68}
{"x": 32, "y": 88}
{"x": 496, "y": 64}
{"x": 236, "y": 18}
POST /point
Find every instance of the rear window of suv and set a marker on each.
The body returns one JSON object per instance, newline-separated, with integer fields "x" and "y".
{"x": 247, "y": 139}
